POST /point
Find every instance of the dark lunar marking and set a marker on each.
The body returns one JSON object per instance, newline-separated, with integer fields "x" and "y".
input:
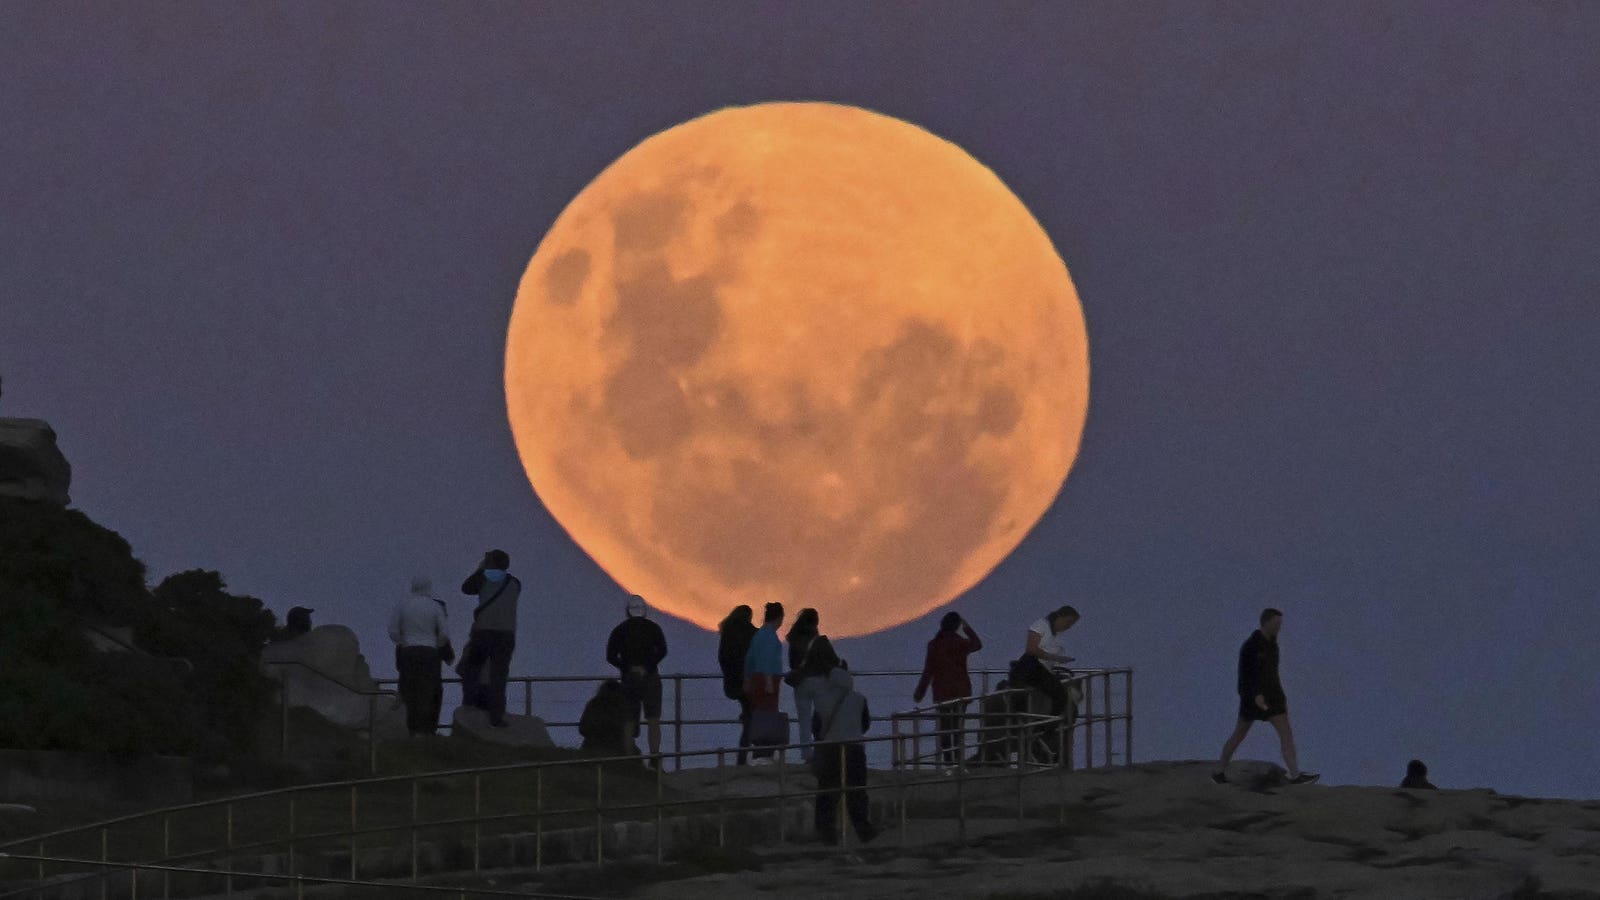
{"x": 921, "y": 361}
{"x": 645, "y": 406}
{"x": 670, "y": 322}
{"x": 738, "y": 223}
{"x": 566, "y": 275}
{"x": 999, "y": 411}
{"x": 645, "y": 222}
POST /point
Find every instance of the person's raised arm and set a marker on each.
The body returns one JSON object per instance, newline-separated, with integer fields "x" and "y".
{"x": 973, "y": 643}
{"x": 474, "y": 582}
{"x": 927, "y": 677}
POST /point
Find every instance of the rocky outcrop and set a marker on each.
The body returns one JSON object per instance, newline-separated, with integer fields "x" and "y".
{"x": 324, "y": 670}
{"x": 519, "y": 731}
{"x": 31, "y": 465}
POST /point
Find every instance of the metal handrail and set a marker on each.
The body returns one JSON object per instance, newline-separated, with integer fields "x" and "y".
{"x": 1021, "y": 723}
{"x": 1037, "y": 722}
{"x": 300, "y": 881}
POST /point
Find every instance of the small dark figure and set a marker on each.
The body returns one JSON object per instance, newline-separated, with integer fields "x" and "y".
{"x": 1261, "y": 697}
{"x": 421, "y": 634}
{"x": 1417, "y": 777}
{"x": 997, "y": 714}
{"x": 637, "y": 647}
{"x": 605, "y": 725}
{"x": 297, "y": 622}
{"x": 842, "y": 720}
{"x": 493, "y": 637}
{"x": 733, "y": 643}
{"x": 945, "y": 669}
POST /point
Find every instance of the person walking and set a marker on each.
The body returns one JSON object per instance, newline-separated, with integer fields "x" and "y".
{"x": 811, "y": 658}
{"x": 733, "y": 643}
{"x": 944, "y": 668}
{"x": 1261, "y": 698}
{"x": 493, "y": 638}
{"x": 842, "y": 720}
{"x": 637, "y": 647}
{"x": 763, "y": 674}
{"x": 421, "y": 633}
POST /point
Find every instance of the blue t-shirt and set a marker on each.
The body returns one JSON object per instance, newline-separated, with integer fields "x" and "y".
{"x": 765, "y": 656}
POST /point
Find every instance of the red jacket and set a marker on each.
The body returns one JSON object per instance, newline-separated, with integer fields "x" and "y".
{"x": 946, "y": 665}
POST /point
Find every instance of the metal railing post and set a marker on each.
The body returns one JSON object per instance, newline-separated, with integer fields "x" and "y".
{"x": 415, "y": 792}
{"x": 916, "y": 740}
{"x": 353, "y": 828}
{"x": 527, "y": 698}
{"x": 1022, "y": 755}
{"x": 660, "y": 821}
{"x": 538, "y": 819}
{"x": 1061, "y": 783}
{"x": 722, "y": 810}
{"x": 283, "y": 708}
{"x": 477, "y": 822}
{"x": 1088, "y": 727}
{"x": 1105, "y": 687}
{"x": 41, "y": 862}
{"x": 677, "y": 724}
{"x": 783, "y": 798}
{"x": 292, "y": 833}
{"x": 841, "y": 800}
{"x": 961, "y": 807}
{"x": 372, "y": 734}
{"x": 1127, "y": 738}
{"x": 599, "y": 819}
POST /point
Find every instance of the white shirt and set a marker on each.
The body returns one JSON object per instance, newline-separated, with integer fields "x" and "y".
{"x": 1048, "y": 641}
{"x": 419, "y": 622}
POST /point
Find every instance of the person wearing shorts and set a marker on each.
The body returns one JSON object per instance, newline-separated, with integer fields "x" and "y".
{"x": 1261, "y": 698}
{"x": 637, "y": 647}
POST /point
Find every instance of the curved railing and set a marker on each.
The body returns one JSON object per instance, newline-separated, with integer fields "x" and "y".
{"x": 1021, "y": 729}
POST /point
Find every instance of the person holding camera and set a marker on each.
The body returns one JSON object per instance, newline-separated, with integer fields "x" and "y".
{"x": 493, "y": 638}
{"x": 420, "y": 630}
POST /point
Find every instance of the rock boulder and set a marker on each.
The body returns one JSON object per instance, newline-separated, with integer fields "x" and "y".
{"x": 31, "y": 465}
{"x": 324, "y": 670}
{"x": 520, "y": 731}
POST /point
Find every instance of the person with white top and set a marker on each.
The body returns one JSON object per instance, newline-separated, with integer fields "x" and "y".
{"x": 420, "y": 629}
{"x": 1044, "y": 651}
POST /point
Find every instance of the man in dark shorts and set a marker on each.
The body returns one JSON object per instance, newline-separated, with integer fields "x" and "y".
{"x": 1261, "y": 698}
{"x": 636, "y": 648}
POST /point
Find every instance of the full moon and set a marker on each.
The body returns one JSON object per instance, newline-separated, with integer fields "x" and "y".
{"x": 800, "y": 352}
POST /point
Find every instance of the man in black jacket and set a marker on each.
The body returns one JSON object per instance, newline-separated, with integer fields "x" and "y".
{"x": 637, "y": 647}
{"x": 1261, "y": 697}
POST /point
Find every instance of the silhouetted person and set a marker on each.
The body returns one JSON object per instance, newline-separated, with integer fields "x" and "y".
{"x": 811, "y": 658}
{"x": 944, "y": 668}
{"x": 1042, "y": 652}
{"x": 605, "y": 724}
{"x": 494, "y": 635}
{"x": 297, "y": 622}
{"x": 1261, "y": 697}
{"x": 733, "y": 643}
{"x": 1417, "y": 777}
{"x": 997, "y": 737}
{"x": 421, "y": 635}
{"x": 637, "y": 647}
{"x": 763, "y": 680}
{"x": 842, "y": 720}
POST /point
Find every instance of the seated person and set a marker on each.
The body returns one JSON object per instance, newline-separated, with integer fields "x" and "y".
{"x": 1417, "y": 777}
{"x": 605, "y": 724}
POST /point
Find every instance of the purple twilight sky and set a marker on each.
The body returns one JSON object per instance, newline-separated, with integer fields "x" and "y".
{"x": 1339, "y": 264}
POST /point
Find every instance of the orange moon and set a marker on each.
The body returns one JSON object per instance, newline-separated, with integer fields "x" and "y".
{"x": 799, "y": 352}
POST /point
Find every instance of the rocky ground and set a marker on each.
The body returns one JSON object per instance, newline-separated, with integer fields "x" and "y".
{"x": 1164, "y": 830}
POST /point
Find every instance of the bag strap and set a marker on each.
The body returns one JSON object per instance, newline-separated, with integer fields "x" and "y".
{"x": 504, "y": 582}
